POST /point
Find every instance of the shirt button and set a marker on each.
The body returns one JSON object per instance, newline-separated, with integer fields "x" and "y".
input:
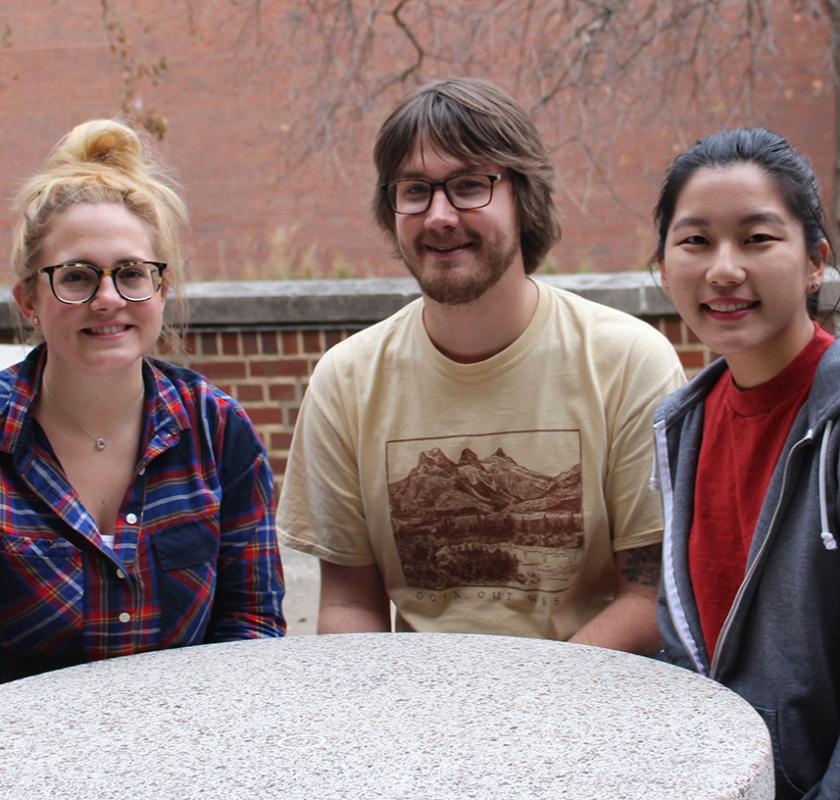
{"x": 141, "y": 471}
{"x": 131, "y": 518}
{"x": 125, "y": 617}
{"x": 120, "y": 574}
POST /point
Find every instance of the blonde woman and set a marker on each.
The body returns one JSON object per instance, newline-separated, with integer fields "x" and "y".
{"x": 135, "y": 498}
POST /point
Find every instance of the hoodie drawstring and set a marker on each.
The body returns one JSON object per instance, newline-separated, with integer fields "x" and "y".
{"x": 828, "y": 540}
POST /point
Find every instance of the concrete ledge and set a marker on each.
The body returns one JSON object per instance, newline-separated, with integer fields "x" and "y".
{"x": 356, "y": 302}
{"x": 370, "y": 300}
{"x": 293, "y": 303}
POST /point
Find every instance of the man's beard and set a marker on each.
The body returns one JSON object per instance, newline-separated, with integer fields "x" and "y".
{"x": 444, "y": 286}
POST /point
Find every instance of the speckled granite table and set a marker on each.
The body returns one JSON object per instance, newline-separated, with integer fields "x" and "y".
{"x": 431, "y": 716}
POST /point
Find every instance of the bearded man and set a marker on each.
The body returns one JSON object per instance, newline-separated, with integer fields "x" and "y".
{"x": 480, "y": 459}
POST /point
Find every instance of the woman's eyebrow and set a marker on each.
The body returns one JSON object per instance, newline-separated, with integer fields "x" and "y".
{"x": 751, "y": 219}
{"x": 762, "y": 216}
{"x": 690, "y": 222}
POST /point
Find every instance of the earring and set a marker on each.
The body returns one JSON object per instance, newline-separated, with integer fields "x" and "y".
{"x": 35, "y": 322}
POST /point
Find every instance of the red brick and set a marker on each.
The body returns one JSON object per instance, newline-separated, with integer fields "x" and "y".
{"x": 240, "y": 208}
{"x": 277, "y": 367}
{"x": 280, "y": 441}
{"x": 209, "y": 344}
{"x": 281, "y": 391}
{"x": 291, "y": 346}
{"x": 190, "y": 344}
{"x": 292, "y": 415}
{"x": 691, "y": 337}
{"x": 250, "y": 392}
{"x": 250, "y": 344}
{"x": 673, "y": 329}
{"x": 270, "y": 415}
{"x": 332, "y": 338}
{"x": 269, "y": 342}
{"x": 312, "y": 342}
{"x": 692, "y": 359}
{"x": 278, "y": 465}
{"x": 220, "y": 370}
{"x": 230, "y": 344}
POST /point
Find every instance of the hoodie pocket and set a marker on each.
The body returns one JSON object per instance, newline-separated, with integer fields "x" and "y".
{"x": 786, "y": 789}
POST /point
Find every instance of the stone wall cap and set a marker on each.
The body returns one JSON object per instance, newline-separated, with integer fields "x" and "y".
{"x": 361, "y": 301}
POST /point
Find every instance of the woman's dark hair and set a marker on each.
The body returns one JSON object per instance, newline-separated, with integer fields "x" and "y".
{"x": 790, "y": 170}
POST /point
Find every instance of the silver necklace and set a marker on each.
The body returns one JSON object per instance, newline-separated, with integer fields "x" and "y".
{"x": 99, "y": 442}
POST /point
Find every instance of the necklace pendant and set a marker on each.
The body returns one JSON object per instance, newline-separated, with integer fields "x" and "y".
{"x": 100, "y": 444}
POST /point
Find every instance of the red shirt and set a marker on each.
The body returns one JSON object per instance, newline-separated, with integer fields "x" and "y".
{"x": 743, "y": 436}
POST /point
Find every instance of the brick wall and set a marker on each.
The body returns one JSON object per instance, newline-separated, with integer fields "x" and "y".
{"x": 239, "y": 102}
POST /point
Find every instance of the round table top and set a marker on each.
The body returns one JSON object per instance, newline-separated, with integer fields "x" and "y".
{"x": 394, "y": 716}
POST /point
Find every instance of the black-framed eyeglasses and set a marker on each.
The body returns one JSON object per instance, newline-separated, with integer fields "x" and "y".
{"x": 465, "y": 192}
{"x": 76, "y": 282}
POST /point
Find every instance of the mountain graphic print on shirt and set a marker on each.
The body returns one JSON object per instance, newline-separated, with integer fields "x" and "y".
{"x": 496, "y": 509}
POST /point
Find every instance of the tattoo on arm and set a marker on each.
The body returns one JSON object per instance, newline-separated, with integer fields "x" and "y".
{"x": 643, "y": 565}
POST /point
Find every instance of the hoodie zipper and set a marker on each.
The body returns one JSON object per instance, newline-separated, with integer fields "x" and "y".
{"x": 662, "y": 468}
{"x": 809, "y": 437}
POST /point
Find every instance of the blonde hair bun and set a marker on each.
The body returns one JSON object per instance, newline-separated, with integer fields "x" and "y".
{"x": 100, "y": 142}
{"x": 102, "y": 161}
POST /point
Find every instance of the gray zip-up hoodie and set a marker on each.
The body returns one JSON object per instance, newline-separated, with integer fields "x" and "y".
{"x": 779, "y": 647}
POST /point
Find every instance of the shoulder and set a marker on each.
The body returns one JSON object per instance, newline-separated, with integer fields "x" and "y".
{"x": 7, "y": 382}
{"x": 187, "y": 385}
{"x": 692, "y": 393}
{"x": 365, "y": 351}
{"x": 611, "y": 333}
{"x": 829, "y": 366}
{"x": 585, "y": 312}
{"x": 824, "y": 400}
{"x": 189, "y": 397}
{"x": 18, "y": 382}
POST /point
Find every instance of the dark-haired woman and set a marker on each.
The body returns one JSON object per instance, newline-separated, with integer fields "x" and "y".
{"x": 748, "y": 452}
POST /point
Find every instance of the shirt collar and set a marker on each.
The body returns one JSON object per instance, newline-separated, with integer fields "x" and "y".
{"x": 19, "y": 386}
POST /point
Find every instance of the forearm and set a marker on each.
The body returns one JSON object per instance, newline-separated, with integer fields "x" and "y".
{"x": 353, "y": 600}
{"x": 249, "y": 605}
{"x": 628, "y": 623}
{"x": 249, "y": 592}
{"x": 353, "y": 619}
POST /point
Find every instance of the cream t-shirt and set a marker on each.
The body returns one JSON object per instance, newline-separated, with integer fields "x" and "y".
{"x": 491, "y": 495}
